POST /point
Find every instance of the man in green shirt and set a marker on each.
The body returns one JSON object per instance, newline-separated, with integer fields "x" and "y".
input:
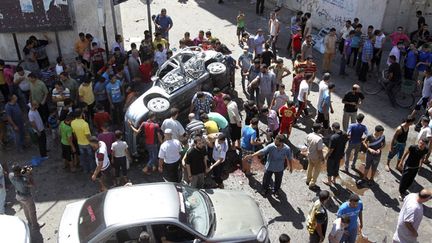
{"x": 68, "y": 147}
{"x": 38, "y": 95}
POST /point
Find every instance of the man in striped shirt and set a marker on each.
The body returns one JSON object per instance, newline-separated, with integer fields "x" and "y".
{"x": 366, "y": 57}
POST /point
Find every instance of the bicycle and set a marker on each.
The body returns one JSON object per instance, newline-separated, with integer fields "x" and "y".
{"x": 403, "y": 91}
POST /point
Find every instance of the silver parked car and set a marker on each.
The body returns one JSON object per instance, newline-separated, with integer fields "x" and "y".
{"x": 167, "y": 212}
{"x": 175, "y": 83}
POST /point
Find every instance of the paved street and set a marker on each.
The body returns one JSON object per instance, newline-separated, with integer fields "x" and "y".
{"x": 55, "y": 188}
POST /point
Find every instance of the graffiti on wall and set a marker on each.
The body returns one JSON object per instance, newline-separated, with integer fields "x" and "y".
{"x": 329, "y": 12}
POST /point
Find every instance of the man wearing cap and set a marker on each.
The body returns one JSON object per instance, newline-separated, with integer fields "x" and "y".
{"x": 169, "y": 157}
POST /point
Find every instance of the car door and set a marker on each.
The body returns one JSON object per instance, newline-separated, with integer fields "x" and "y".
{"x": 129, "y": 234}
{"x": 168, "y": 232}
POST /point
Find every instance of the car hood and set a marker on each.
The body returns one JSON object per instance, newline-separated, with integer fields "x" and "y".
{"x": 14, "y": 229}
{"x": 68, "y": 229}
{"x": 237, "y": 214}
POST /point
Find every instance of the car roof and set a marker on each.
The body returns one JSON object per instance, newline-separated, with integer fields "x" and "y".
{"x": 141, "y": 203}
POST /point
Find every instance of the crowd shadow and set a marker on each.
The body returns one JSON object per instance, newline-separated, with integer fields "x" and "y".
{"x": 341, "y": 195}
{"x": 425, "y": 173}
{"x": 384, "y": 198}
{"x": 286, "y": 211}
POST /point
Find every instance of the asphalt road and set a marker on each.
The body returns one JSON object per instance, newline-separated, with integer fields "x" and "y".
{"x": 56, "y": 188}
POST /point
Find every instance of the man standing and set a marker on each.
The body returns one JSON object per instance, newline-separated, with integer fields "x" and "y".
{"x": 316, "y": 158}
{"x": 22, "y": 81}
{"x": 67, "y": 145}
{"x": 366, "y": 58}
{"x": 325, "y": 107}
{"x": 163, "y": 23}
{"x": 220, "y": 148}
{"x": 153, "y": 138}
{"x": 267, "y": 86}
{"x": 330, "y": 49}
{"x": 274, "y": 29}
{"x": 234, "y": 119}
{"x": 374, "y": 144}
{"x": 169, "y": 157}
{"x": 38, "y": 128}
{"x": 398, "y": 143}
{"x": 196, "y": 163}
{"x": 22, "y": 179}
{"x": 336, "y": 152}
{"x": 355, "y": 133}
{"x": 354, "y": 210}
{"x": 86, "y": 95}
{"x": 344, "y": 33}
{"x": 70, "y": 84}
{"x": 352, "y": 99}
{"x": 410, "y": 217}
{"x": 81, "y": 45}
{"x": 426, "y": 91}
{"x": 115, "y": 93}
{"x": 38, "y": 95}
{"x": 416, "y": 157}
{"x": 278, "y": 156}
{"x": 302, "y": 96}
{"x": 201, "y": 101}
{"x": 259, "y": 7}
{"x": 318, "y": 218}
{"x": 40, "y": 48}
{"x": 306, "y": 47}
{"x": 16, "y": 120}
{"x": 394, "y": 77}
{"x": 177, "y": 130}
{"x": 248, "y": 142}
{"x": 308, "y": 25}
{"x": 102, "y": 161}
{"x": 82, "y": 133}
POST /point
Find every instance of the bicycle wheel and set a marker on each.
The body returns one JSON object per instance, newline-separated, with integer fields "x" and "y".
{"x": 372, "y": 87}
{"x": 403, "y": 100}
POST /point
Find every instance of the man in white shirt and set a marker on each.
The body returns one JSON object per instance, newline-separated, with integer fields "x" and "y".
{"x": 426, "y": 91}
{"x": 160, "y": 55}
{"x": 220, "y": 148}
{"x": 396, "y": 51}
{"x": 303, "y": 94}
{"x": 38, "y": 128}
{"x": 274, "y": 29}
{"x": 308, "y": 25}
{"x": 60, "y": 94}
{"x": 343, "y": 35}
{"x": 169, "y": 157}
{"x": 234, "y": 119}
{"x": 410, "y": 217}
{"x": 259, "y": 40}
{"x": 177, "y": 130}
{"x": 323, "y": 87}
{"x": 338, "y": 229}
{"x": 102, "y": 161}
{"x": 21, "y": 79}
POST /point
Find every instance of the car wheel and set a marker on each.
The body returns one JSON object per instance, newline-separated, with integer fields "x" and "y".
{"x": 158, "y": 104}
{"x": 216, "y": 68}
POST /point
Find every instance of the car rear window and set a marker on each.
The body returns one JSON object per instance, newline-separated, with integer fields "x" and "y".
{"x": 91, "y": 219}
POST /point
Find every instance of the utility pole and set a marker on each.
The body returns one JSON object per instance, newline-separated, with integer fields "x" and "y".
{"x": 113, "y": 16}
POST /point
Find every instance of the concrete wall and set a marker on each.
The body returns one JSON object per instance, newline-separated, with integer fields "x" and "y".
{"x": 334, "y": 13}
{"x": 85, "y": 20}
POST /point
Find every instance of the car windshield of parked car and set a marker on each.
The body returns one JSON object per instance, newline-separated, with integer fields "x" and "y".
{"x": 194, "y": 210}
{"x": 91, "y": 219}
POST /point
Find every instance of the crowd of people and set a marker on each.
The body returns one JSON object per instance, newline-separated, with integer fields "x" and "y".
{"x": 82, "y": 107}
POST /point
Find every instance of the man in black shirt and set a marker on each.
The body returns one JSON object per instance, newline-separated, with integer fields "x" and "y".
{"x": 196, "y": 163}
{"x": 394, "y": 77}
{"x": 352, "y": 100}
{"x": 336, "y": 152}
{"x": 416, "y": 157}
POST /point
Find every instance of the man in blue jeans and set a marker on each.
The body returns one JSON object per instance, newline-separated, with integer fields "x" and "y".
{"x": 355, "y": 133}
{"x": 354, "y": 210}
{"x": 277, "y": 153}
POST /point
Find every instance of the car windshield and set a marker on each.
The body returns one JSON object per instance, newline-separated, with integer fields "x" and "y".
{"x": 91, "y": 219}
{"x": 194, "y": 210}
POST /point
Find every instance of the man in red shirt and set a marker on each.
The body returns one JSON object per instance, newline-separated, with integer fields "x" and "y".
{"x": 146, "y": 69}
{"x": 100, "y": 117}
{"x": 97, "y": 57}
{"x": 287, "y": 113}
{"x": 296, "y": 43}
{"x": 296, "y": 84}
{"x": 152, "y": 137}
